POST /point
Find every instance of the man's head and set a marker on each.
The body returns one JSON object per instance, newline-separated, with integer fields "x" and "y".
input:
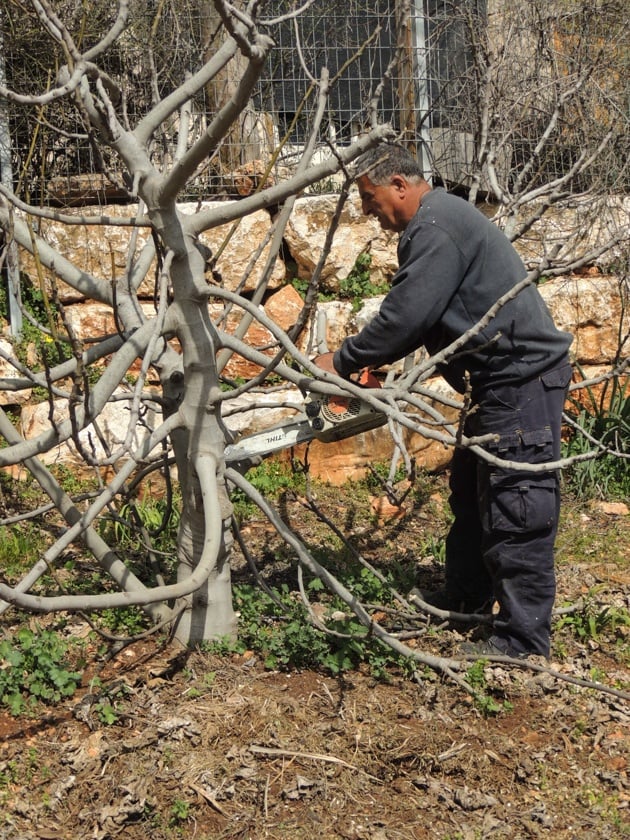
{"x": 391, "y": 185}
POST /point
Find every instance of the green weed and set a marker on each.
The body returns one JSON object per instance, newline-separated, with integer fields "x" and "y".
{"x": 592, "y": 621}
{"x": 125, "y": 621}
{"x": 281, "y": 633}
{"x": 160, "y": 520}
{"x": 70, "y": 482}
{"x": 45, "y": 312}
{"x": 358, "y": 284}
{"x": 180, "y": 812}
{"x": 271, "y": 478}
{"x": 107, "y": 707}
{"x": 606, "y": 418}
{"x": 487, "y": 705}
{"x": 20, "y": 547}
{"x": 14, "y": 773}
{"x": 138, "y": 527}
{"x": 106, "y": 713}
{"x": 33, "y": 670}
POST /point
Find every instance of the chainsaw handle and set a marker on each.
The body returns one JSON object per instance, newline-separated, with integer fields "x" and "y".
{"x": 366, "y": 379}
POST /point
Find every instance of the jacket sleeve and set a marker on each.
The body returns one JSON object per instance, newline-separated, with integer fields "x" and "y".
{"x": 431, "y": 270}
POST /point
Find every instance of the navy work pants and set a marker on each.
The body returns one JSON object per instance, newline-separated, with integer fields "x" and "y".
{"x": 500, "y": 545}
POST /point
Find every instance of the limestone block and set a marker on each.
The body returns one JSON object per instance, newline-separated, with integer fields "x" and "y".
{"x": 243, "y": 239}
{"x": 101, "y": 251}
{"x": 90, "y": 320}
{"x": 338, "y": 461}
{"x": 7, "y": 371}
{"x": 594, "y": 309}
{"x": 590, "y": 307}
{"x": 254, "y": 411}
{"x": 343, "y": 460}
{"x": 581, "y": 228}
{"x": 114, "y": 424}
{"x": 306, "y": 234}
{"x": 283, "y": 307}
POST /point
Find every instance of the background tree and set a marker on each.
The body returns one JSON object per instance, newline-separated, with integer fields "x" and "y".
{"x": 78, "y": 98}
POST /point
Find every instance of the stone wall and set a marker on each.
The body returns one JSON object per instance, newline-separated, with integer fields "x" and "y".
{"x": 589, "y": 306}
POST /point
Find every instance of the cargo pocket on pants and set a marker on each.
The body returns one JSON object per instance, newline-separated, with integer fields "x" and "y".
{"x": 520, "y": 504}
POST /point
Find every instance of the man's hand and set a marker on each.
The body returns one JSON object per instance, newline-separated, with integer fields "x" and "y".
{"x": 325, "y": 362}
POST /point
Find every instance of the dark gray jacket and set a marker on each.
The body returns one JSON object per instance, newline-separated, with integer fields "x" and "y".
{"x": 454, "y": 264}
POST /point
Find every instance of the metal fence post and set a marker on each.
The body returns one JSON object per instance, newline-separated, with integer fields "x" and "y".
{"x": 12, "y": 261}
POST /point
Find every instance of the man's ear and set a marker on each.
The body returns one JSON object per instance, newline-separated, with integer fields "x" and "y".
{"x": 399, "y": 183}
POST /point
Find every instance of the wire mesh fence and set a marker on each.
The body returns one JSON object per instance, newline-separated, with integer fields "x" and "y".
{"x": 422, "y": 67}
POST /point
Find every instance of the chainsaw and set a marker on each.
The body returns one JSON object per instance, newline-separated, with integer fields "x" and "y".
{"x": 325, "y": 418}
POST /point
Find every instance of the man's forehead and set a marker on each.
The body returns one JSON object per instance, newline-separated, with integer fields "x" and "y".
{"x": 365, "y": 184}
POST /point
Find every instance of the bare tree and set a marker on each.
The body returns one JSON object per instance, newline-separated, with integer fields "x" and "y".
{"x": 531, "y": 111}
{"x": 180, "y": 341}
{"x": 190, "y": 380}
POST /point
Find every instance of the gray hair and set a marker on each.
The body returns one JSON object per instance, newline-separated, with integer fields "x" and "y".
{"x": 385, "y": 160}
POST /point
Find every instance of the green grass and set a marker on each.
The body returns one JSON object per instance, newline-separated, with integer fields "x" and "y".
{"x": 20, "y": 548}
{"x": 606, "y": 418}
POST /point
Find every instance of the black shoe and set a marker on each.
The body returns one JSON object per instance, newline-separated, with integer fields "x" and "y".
{"x": 490, "y": 647}
{"x": 441, "y": 599}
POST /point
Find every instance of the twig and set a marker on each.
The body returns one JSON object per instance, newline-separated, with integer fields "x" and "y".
{"x": 331, "y": 759}
{"x": 209, "y": 799}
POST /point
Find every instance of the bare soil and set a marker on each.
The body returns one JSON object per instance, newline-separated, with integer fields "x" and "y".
{"x": 216, "y": 747}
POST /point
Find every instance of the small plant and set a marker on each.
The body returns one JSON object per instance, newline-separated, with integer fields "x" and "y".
{"x": 592, "y": 621}
{"x": 223, "y": 646}
{"x": 378, "y": 475}
{"x": 32, "y": 670}
{"x": 487, "y": 705}
{"x": 20, "y": 547}
{"x": 124, "y": 621}
{"x": 279, "y": 630}
{"x": 271, "y": 478}
{"x": 180, "y": 812}
{"x": 70, "y": 482}
{"x": 358, "y": 284}
{"x": 159, "y": 520}
{"x": 324, "y": 187}
{"x": 45, "y": 312}
{"x": 605, "y": 418}
{"x": 106, "y": 713}
{"x": 106, "y": 707}
{"x": 14, "y": 773}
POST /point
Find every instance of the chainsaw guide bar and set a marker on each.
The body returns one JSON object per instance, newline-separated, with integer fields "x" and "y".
{"x": 325, "y": 418}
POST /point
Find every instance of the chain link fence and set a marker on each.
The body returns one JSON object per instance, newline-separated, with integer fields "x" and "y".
{"x": 424, "y": 68}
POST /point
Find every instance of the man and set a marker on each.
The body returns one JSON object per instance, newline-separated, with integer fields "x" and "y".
{"x": 454, "y": 264}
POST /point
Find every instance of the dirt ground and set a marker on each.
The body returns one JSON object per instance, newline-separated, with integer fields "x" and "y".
{"x": 215, "y": 747}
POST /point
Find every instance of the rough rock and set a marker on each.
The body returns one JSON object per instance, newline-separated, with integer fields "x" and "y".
{"x": 306, "y": 233}
{"x": 103, "y": 251}
{"x": 114, "y": 423}
{"x": 243, "y": 239}
{"x": 348, "y": 459}
{"x": 338, "y": 461}
{"x": 7, "y": 371}
{"x": 283, "y": 307}
{"x": 581, "y": 229}
{"x": 594, "y": 309}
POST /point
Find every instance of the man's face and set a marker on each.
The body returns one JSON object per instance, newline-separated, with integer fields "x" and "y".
{"x": 382, "y": 201}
